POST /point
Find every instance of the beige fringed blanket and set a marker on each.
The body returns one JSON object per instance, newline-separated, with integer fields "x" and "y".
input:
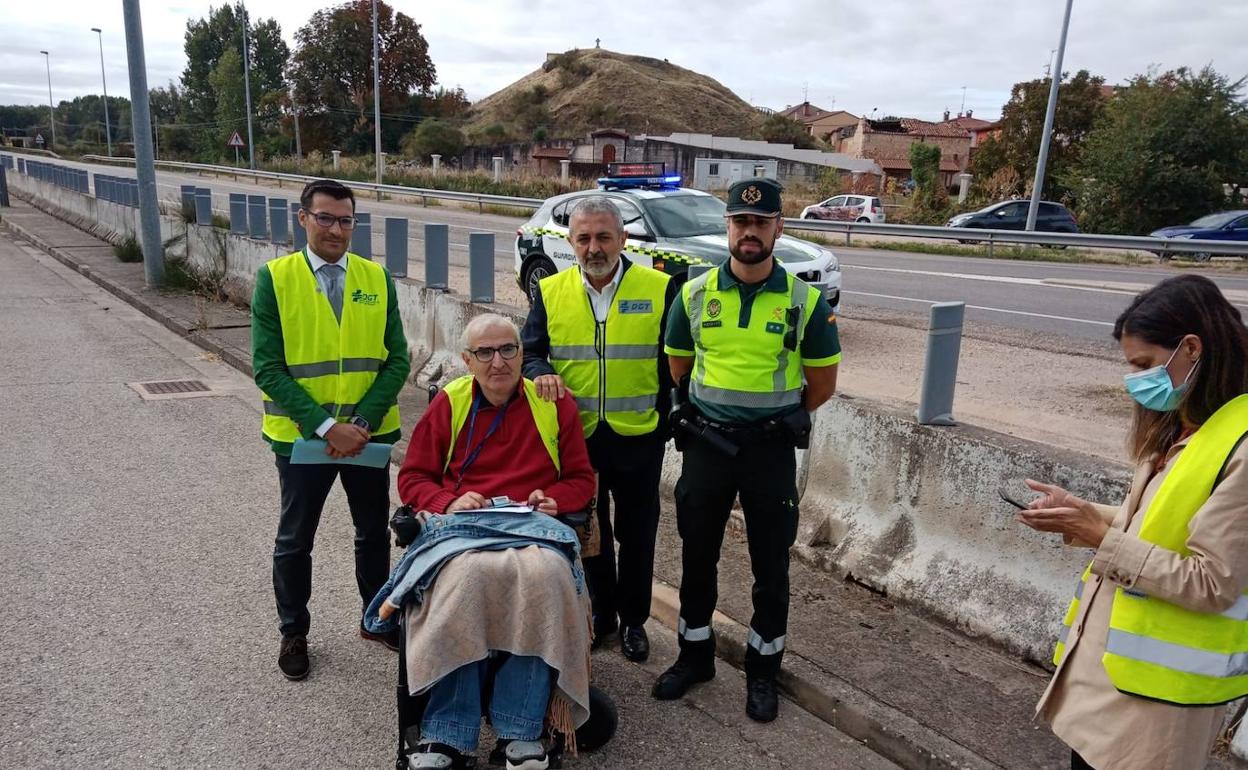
{"x": 520, "y": 600}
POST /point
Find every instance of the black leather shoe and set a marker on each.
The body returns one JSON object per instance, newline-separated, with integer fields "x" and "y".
{"x": 604, "y": 628}
{"x": 634, "y": 643}
{"x": 292, "y": 657}
{"x": 676, "y": 681}
{"x": 390, "y": 638}
{"x": 762, "y": 703}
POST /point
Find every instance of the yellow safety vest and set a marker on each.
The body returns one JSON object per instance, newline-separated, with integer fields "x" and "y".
{"x": 612, "y": 368}
{"x": 1160, "y": 650}
{"x": 336, "y": 363}
{"x": 545, "y": 416}
{"x": 751, "y": 367}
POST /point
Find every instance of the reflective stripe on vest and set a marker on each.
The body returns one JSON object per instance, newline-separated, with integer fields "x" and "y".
{"x": 611, "y": 368}
{"x": 748, "y": 367}
{"x": 545, "y": 416}
{"x": 336, "y": 363}
{"x": 1158, "y": 649}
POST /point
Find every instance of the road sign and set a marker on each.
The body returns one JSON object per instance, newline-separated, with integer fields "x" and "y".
{"x": 39, "y": 139}
{"x": 235, "y": 141}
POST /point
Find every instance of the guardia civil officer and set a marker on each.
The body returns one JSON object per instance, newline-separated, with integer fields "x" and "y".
{"x": 760, "y": 350}
{"x": 597, "y": 330}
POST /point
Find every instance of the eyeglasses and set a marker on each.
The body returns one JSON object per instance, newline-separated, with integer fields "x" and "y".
{"x": 486, "y": 354}
{"x": 327, "y": 220}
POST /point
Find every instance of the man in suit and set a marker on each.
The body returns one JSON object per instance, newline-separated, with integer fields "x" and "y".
{"x": 596, "y": 330}
{"x": 330, "y": 358}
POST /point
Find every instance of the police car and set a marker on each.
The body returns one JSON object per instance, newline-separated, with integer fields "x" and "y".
{"x": 669, "y": 228}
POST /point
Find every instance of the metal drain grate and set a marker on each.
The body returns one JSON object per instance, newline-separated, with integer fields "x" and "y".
{"x": 173, "y": 386}
{"x": 160, "y": 390}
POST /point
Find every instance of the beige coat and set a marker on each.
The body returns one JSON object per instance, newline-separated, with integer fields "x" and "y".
{"x": 1115, "y": 731}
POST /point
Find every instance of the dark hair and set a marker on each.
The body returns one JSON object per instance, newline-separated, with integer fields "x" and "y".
{"x": 335, "y": 190}
{"x": 1164, "y": 315}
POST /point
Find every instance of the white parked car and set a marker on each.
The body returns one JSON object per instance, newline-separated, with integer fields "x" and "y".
{"x": 669, "y": 228}
{"x": 847, "y": 208}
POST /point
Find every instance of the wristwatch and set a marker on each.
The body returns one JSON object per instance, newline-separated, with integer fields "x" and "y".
{"x": 360, "y": 421}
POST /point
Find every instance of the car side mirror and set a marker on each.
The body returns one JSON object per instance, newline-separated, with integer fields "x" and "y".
{"x": 637, "y": 230}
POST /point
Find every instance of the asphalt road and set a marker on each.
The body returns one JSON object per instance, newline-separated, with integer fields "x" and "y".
{"x": 1043, "y": 299}
{"x": 135, "y": 552}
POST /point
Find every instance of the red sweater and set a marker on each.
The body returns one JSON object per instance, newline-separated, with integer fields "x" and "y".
{"x": 513, "y": 461}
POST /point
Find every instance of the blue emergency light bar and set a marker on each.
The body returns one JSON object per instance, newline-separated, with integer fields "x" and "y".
{"x": 637, "y": 182}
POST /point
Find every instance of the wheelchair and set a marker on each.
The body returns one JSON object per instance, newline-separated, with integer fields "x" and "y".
{"x": 595, "y": 733}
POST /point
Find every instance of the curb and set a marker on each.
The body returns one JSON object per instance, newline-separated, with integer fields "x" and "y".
{"x": 892, "y": 734}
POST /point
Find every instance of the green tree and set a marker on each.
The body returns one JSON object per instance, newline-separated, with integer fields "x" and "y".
{"x": 1080, "y": 100}
{"x": 206, "y": 41}
{"x": 230, "y": 98}
{"x": 1162, "y": 152}
{"x": 930, "y": 202}
{"x": 782, "y": 130}
{"x": 433, "y": 137}
{"x": 332, "y": 69}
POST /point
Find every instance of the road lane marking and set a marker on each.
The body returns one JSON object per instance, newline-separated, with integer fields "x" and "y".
{"x": 983, "y": 307}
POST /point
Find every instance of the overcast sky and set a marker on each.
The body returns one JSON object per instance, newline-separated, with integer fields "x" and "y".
{"x": 905, "y": 57}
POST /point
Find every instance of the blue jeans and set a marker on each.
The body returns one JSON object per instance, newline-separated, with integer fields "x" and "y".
{"x": 517, "y": 706}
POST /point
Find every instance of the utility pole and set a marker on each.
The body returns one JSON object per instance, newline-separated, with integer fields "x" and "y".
{"x": 251, "y": 144}
{"x": 376, "y": 97}
{"x": 144, "y": 161}
{"x": 156, "y": 136}
{"x": 47, "y": 59}
{"x": 108, "y": 130}
{"x": 294, "y": 108}
{"x": 1055, "y": 78}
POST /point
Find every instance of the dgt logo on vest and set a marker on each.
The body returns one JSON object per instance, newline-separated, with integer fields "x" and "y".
{"x": 364, "y": 299}
{"x": 636, "y": 306}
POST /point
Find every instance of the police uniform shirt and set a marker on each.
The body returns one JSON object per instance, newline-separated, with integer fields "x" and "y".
{"x": 820, "y": 344}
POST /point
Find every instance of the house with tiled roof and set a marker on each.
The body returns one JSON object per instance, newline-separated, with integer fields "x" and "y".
{"x": 887, "y": 142}
{"x": 820, "y": 123}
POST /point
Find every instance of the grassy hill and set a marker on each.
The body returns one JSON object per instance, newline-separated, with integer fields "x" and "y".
{"x": 579, "y": 91}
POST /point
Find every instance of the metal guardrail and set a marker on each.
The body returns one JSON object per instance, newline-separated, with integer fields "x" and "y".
{"x": 481, "y": 199}
{"x": 1163, "y": 247}
{"x": 1160, "y": 246}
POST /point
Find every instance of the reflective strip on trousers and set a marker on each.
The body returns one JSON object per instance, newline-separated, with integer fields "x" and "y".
{"x": 745, "y": 398}
{"x": 613, "y": 352}
{"x": 692, "y": 634}
{"x": 323, "y": 368}
{"x": 766, "y": 648}
{"x": 617, "y": 404}
{"x": 1176, "y": 657}
{"x": 271, "y": 408}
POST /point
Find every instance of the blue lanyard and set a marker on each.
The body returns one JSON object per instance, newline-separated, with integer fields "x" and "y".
{"x": 474, "y": 452}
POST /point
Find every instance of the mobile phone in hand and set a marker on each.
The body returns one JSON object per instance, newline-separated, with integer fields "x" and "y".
{"x": 1011, "y": 501}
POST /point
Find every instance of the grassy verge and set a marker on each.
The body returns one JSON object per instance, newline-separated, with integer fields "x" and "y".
{"x": 128, "y": 250}
{"x": 502, "y": 211}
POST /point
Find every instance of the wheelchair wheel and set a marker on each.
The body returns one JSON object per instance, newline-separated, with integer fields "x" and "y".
{"x": 602, "y": 722}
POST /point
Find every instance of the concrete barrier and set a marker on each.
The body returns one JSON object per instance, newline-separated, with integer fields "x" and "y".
{"x": 904, "y": 509}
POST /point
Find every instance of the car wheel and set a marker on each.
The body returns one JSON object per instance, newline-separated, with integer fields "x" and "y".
{"x": 965, "y": 242}
{"x": 537, "y": 268}
{"x": 865, "y": 219}
{"x": 1202, "y": 256}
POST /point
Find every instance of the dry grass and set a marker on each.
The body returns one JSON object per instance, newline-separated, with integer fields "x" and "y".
{"x": 596, "y": 88}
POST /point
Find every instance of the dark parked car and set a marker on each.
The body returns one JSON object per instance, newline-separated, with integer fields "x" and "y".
{"x": 1012, "y": 215}
{"x": 1223, "y": 226}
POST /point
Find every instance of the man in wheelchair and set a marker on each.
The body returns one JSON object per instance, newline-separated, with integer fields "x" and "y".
{"x": 495, "y": 612}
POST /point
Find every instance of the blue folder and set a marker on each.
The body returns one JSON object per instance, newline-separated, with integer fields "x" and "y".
{"x": 307, "y": 452}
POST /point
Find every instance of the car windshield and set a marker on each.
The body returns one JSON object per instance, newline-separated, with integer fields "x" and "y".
{"x": 685, "y": 216}
{"x": 1216, "y": 220}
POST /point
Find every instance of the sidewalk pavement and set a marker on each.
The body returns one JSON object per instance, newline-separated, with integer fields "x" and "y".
{"x": 916, "y": 692}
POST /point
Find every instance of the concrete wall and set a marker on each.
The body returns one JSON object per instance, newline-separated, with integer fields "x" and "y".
{"x": 902, "y": 508}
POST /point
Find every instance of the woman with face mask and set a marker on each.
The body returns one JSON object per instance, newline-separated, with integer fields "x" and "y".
{"x": 1155, "y": 642}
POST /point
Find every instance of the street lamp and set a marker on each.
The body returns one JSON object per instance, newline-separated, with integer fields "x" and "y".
{"x": 47, "y": 59}
{"x": 1055, "y": 78}
{"x": 377, "y": 100}
{"x": 108, "y": 131}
